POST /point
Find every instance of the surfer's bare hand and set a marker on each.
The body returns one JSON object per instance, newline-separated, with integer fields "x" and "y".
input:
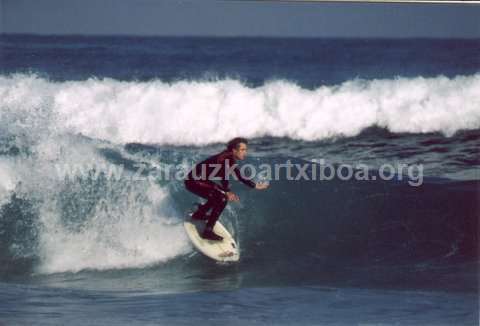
{"x": 232, "y": 197}
{"x": 261, "y": 186}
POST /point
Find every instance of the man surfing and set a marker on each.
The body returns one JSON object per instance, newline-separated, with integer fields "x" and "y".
{"x": 200, "y": 181}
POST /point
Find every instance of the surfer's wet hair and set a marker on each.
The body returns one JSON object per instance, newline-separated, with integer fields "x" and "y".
{"x": 233, "y": 144}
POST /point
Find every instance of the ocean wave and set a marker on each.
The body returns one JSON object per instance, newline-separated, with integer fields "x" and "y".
{"x": 204, "y": 112}
{"x": 69, "y": 226}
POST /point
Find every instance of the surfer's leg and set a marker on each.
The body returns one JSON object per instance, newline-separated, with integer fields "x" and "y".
{"x": 219, "y": 203}
{"x": 205, "y": 190}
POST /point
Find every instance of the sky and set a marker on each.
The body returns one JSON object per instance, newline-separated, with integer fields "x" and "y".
{"x": 239, "y": 18}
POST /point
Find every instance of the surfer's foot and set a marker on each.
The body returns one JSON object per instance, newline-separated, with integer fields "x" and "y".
{"x": 210, "y": 235}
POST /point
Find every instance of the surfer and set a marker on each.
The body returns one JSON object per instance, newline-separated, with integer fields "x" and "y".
{"x": 218, "y": 167}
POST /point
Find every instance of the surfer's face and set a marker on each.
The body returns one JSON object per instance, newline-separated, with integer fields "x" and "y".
{"x": 240, "y": 152}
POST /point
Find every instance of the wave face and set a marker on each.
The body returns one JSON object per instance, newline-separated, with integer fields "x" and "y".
{"x": 348, "y": 233}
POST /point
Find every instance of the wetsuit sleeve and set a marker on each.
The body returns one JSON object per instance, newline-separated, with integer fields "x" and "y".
{"x": 223, "y": 190}
{"x": 245, "y": 181}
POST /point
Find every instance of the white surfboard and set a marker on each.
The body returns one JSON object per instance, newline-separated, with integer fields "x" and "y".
{"x": 225, "y": 250}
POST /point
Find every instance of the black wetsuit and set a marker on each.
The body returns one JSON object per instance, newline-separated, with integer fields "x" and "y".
{"x": 200, "y": 180}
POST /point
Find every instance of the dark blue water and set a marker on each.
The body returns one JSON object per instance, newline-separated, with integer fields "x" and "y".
{"x": 308, "y": 62}
{"x": 97, "y": 249}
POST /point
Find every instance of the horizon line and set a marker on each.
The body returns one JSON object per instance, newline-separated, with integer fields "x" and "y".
{"x": 238, "y": 36}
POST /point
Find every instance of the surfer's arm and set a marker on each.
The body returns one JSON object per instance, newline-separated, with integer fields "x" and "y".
{"x": 245, "y": 181}
{"x": 220, "y": 189}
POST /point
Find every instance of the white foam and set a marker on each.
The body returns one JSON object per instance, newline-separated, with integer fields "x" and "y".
{"x": 129, "y": 226}
{"x": 116, "y": 235}
{"x": 197, "y": 112}
{"x": 7, "y": 179}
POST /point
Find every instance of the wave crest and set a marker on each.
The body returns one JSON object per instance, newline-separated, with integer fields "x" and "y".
{"x": 203, "y": 112}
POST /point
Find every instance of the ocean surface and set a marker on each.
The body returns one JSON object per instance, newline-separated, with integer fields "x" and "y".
{"x": 91, "y": 230}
